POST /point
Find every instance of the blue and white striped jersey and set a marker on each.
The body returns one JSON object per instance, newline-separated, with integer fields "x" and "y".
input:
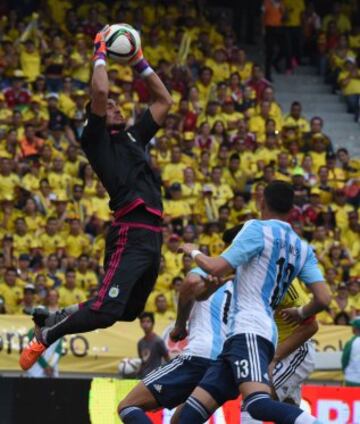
{"x": 208, "y": 322}
{"x": 267, "y": 255}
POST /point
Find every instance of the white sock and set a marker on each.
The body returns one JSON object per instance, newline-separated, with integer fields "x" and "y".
{"x": 305, "y": 418}
{"x": 246, "y": 418}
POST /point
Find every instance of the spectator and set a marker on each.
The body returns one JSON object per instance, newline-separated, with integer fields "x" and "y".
{"x": 23, "y": 270}
{"x": 8, "y": 179}
{"x": 316, "y": 133}
{"x": 177, "y": 209}
{"x": 342, "y": 21}
{"x": 349, "y": 81}
{"x": 69, "y": 294}
{"x": 341, "y": 303}
{"x": 221, "y": 191}
{"x": 172, "y": 258}
{"x": 162, "y": 310}
{"x": 11, "y": 291}
{"x": 257, "y": 82}
{"x": 190, "y": 187}
{"x": 273, "y": 13}
{"x": 28, "y": 303}
{"x": 16, "y": 94}
{"x": 86, "y": 278}
{"x": 296, "y": 119}
{"x": 151, "y": 348}
{"x": 292, "y": 24}
{"x": 76, "y": 243}
{"x": 350, "y": 166}
{"x": 351, "y": 356}
{"x": 173, "y": 172}
{"x": 52, "y": 300}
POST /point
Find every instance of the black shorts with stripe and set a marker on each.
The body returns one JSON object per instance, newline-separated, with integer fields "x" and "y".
{"x": 132, "y": 260}
{"x": 245, "y": 357}
{"x": 172, "y": 383}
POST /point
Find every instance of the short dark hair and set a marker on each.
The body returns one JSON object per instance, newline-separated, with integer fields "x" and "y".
{"x": 343, "y": 150}
{"x": 234, "y": 156}
{"x": 230, "y": 234}
{"x": 149, "y": 315}
{"x": 279, "y": 196}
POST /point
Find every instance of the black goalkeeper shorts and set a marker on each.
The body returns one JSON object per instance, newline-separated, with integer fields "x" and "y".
{"x": 132, "y": 260}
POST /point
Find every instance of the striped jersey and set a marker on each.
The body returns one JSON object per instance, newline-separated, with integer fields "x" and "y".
{"x": 208, "y": 322}
{"x": 267, "y": 255}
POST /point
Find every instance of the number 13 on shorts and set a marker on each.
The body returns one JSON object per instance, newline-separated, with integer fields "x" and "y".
{"x": 242, "y": 368}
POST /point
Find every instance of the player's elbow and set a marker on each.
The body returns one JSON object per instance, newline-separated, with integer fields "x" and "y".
{"x": 99, "y": 92}
{"x": 166, "y": 101}
{"x": 217, "y": 271}
{"x": 313, "y": 328}
{"x": 190, "y": 286}
{"x": 323, "y": 299}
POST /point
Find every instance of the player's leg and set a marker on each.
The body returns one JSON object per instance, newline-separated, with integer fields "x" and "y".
{"x": 216, "y": 387}
{"x": 176, "y": 415}
{"x": 250, "y": 356}
{"x": 131, "y": 408}
{"x": 287, "y": 377}
{"x": 291, "y": 372}
{"x": 168, "y": 385}
{"x": 127, "y": 261}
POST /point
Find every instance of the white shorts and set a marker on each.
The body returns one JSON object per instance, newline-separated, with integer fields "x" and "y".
{"x": 289, "y": 373}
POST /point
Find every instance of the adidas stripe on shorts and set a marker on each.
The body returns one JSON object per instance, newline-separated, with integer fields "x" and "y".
{"x": 289, "y": 373}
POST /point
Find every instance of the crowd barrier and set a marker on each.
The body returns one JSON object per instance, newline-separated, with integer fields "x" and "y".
{"x": 101, "y": 351}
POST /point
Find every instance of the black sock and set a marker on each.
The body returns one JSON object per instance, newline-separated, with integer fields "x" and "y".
{"x": 81, "y": 321}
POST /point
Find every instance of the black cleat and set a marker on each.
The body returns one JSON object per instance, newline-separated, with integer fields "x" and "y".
{"x": 40, "y": 314}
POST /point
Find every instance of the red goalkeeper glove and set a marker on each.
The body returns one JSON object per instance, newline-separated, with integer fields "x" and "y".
{"x": 99, "y": 45}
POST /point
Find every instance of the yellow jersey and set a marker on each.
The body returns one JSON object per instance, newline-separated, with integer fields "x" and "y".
{"x": 12, "y": 297}
{"x": 70, "y": 297}
{"x": 295, "y": 297}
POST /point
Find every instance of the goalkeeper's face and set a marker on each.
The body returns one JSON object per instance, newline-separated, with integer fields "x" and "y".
{"x": 114, "y": 117}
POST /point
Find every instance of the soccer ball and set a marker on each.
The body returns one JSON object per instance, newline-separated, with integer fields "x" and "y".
{"x": 129, "y": 367}
{"x": 122, "y": 42}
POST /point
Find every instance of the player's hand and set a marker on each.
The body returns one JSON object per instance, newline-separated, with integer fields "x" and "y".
{"x": 139, "y": 56}
{"x": 211, "y": 280}
{"x": 178, "y": 333}
{"x": 187, "y": 248}
{"x": 271, "y": 370}
{"x": 291, "y": 315}
{"x": 99, "y": 44}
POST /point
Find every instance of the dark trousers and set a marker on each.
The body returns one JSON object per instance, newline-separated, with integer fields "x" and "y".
{"x": 132, "y": 260}
{"x": 274, "y": 48}
{"x": 293, "y": 37}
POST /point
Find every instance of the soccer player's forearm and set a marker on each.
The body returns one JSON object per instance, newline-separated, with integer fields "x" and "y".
{"x": 100, "y": 81}
{"x": 320, "y": 301}
{"x": 158, "y": 91}
{"x": 218, "y": 267}
{"x": 185, "y": 305}
{"x": 99, "y": 90}
{"x": 300, "y": 335}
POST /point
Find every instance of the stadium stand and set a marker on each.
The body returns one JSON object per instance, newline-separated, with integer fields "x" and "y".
{"x": 230, "y": 132}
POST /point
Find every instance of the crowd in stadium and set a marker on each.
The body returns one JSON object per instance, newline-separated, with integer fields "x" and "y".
{"x": 225, "y": 138}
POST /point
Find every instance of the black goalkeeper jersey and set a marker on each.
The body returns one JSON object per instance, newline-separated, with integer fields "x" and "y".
{"x": 119, "y": 159}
